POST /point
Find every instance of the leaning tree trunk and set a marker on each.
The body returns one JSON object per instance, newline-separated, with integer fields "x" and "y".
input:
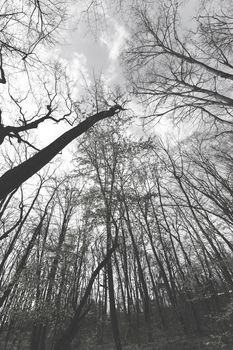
{"x": 14, "y": 177}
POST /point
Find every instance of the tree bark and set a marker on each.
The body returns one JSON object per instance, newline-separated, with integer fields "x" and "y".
{"x": 14, "y": 177}
{"x": 65, "y": 340}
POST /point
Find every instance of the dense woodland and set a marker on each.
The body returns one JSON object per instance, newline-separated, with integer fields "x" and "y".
{"x": 130, "y": 246}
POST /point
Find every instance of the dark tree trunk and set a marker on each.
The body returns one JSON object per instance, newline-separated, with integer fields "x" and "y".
{"x": 113, "y": 311}
{"x": 68, "y": 335}
{"x": 14, "y": 177}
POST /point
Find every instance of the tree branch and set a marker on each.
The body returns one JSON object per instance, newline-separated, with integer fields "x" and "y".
{"x": 14, "y": 177}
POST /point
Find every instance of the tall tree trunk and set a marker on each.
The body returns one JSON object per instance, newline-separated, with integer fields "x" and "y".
{"x": 68, "y": 335}
{"x": 111, "y": 293}
{"x": 14, "y": 177}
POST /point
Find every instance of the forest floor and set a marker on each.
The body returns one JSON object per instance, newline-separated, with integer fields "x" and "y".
{"x": 185, "y": 343}
{"x": 176, "y": 344}
{"x": 162, "y": 342}
{"x": 194, "y": 342}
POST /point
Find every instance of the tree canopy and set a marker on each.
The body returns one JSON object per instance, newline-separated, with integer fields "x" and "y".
{"x": 131, "y": 245}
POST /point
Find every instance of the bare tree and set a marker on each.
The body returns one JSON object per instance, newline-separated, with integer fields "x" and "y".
{"x": 13, "y": 178}
{"x": 182, "y": 73}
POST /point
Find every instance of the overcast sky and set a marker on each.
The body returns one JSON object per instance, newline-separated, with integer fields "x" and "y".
{"x": 99, "y": 51}
{"x": 88, "y": 52}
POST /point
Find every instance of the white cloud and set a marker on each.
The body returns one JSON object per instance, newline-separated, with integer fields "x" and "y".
{"x": 78, "y": 72}
{"x": 115, "y": 40}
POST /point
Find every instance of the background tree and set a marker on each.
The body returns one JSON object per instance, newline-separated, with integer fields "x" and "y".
{"x": 180, "y": 72}
{"x": 133, "y": 245}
